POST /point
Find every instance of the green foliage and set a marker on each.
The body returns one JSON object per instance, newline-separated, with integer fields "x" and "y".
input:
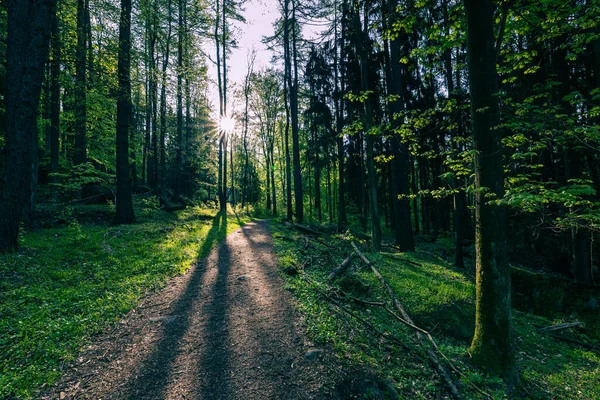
{"x": 81, "y": 175}
{"x": 440, "y": 299}
{"x": 68, "y": 283}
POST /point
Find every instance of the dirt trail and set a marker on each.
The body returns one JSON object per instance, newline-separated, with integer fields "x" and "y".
{"x": 225, "y": 330}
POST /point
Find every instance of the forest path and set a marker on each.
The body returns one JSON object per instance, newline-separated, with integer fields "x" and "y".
{"x": 227, "y": 329}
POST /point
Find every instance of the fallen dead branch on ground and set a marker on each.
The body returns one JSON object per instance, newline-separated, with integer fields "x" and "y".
{"x": 558, "y": 327}
{"x": 421, "y": 333}
{"x": 340, "y": 269}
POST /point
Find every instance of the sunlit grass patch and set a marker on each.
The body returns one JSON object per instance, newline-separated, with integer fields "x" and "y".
{"x": 439, "y": 298}
{"x": 71, "y": 281}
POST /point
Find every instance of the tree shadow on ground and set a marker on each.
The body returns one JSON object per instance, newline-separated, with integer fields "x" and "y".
{"x": 153, "y": 374}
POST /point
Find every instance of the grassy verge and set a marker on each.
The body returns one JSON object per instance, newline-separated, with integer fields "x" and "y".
{"x": 69, "y": 282}
{"x": 440, "y": 299}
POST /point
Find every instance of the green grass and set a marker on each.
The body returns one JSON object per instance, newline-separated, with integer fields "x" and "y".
{"x": 440, "y": 299}
{"x": 69, "y": 282}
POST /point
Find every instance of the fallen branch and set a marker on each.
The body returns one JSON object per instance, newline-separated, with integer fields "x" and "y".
{"x": 384, "y": 335}
{"x": 419, "y": 331}
{"x": 559, "y": 327}
{"x": 361, "y": 255}
{"x": 342, "y": 268}
{"x": 316, "y": 239}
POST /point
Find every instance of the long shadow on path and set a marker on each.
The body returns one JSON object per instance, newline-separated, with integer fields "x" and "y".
{"x": 155, "y": 372}
{"x": 225, "y": 330}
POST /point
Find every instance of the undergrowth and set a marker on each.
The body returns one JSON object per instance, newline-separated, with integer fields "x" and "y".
{"x": 440, "y": 299}
{"x": 75, "y": 277}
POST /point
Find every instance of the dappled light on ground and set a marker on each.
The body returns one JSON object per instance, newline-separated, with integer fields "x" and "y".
{"x": 225, "y": 330}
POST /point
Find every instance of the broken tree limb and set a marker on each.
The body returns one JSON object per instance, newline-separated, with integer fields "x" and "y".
{"x": 559, "y": 327}
{"x": 407, "y": 319}
{"x": 361, "y": 255}
{"x": 316, "y": 239}
{"x": 342, "y": 268}
{"x": 384, "y": 335}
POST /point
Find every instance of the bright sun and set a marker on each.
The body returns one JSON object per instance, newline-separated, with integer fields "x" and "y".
{"x": 226, "y": 124}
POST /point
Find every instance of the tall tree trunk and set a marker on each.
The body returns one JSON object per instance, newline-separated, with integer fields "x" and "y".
{"x": 339, "y": 107}
{"x": 221, "y": 195}
{"x": 54, "y": 104}
{"x": 29, "y": 27}
{"x": 400, "y": 182}
{"x": 225, "y": 38}
{"x": 163, "y": 109}
{"x": 299, "y": 196}
{"x": 80, "y": 87}
{"x": 287, "y": 96}
{"x": 124, "y": 213}
{"x": 272, "y": 170}
{"x": 179, "y": 147}
{"x": 246, "y": 122}
{"x": 372, "y": 178}
{"x": 492, "y": 342}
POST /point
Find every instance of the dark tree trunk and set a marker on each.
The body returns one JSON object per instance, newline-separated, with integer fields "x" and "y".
{"x": 80, "y": 87}
{"x": 400, "y": 182}
{"x": 339, "y": 106}
{"x": 287, "y": 101}
{"x": 370, "y": 160}
{"x": 272, "y": 169}
{"x": 124, "y": 214}
{"x": 54, "y": 104}
{"x": 299, "y": 197}
{"x": 225, "y": 138}
{"x": 492, "y": 342}
{"x": 163, "y": 110}
{"x": 29, "y": 27}
{"x": 179, "y": 146}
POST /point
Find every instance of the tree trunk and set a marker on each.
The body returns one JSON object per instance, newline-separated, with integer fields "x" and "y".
{"x": 29, "y": 27}
{"x": 124, "y": 213}
{"x": 492, "y": 342}
{"x": 163, "y": 110}
{"x": 287, "y": 95}
{"x": 372, "y": 178}
{"x": 299, "y": 196}
{"x": 80, "y": 87}
{"x": 400, "y": 182}
{"x": 179, "y": 146}
{"x": 54, "y": 104}
{"x": 339, "y": 106}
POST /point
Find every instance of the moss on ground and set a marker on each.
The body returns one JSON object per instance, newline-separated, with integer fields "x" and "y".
{"x": 440, "y": 299}
{"x": 74, "y": 279}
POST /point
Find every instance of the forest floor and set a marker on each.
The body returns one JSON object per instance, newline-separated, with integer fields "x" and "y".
{"x": 226, "y": 329}
{"x": 205, "y": 305}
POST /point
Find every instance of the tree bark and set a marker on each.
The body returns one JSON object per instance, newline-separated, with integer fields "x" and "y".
{"x": 372, "y": 178}
{"x": 80, "y": 87}
{"x": 29, "y": 27}
{"x": 492, "y": 342}
{"x": 400, "y": 183}
{"x": 54, "y": 104}
{"x": 124, "y": 213}
{"x": 163, "y": 110}
{"x": 298, "y": 194}
{"x": 179, "y": 145}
